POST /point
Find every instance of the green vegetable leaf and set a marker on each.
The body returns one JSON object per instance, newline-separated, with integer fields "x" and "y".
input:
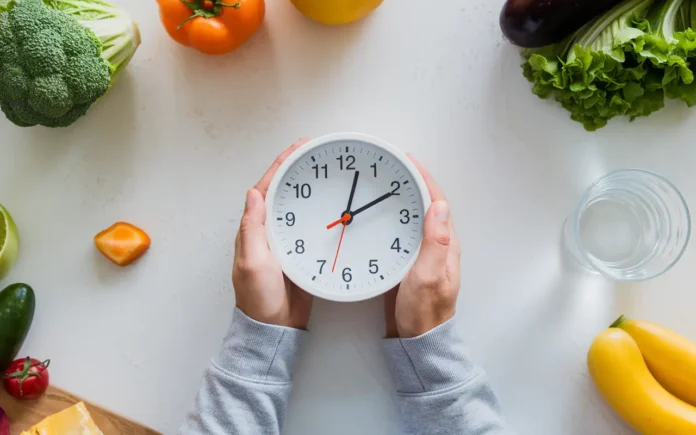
{"x": 624, "y": 63}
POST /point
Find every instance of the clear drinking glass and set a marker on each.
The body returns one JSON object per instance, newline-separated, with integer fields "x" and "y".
{"x": 630, "y": 225}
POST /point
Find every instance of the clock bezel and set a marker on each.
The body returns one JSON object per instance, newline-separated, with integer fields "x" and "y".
{"x": 299, "y": 279}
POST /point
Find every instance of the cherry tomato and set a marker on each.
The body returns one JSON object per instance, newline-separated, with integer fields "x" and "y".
{"x": 26, "y": 378}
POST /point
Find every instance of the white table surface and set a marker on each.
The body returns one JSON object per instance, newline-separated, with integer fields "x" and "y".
{"x": 180, "y": 138}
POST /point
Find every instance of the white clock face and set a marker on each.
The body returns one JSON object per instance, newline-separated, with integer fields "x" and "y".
{"x": 374, "y": 197}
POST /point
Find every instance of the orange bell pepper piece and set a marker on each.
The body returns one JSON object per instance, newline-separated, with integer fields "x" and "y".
{"x": 122, "y": 243}
{"x": 212, "y": 26}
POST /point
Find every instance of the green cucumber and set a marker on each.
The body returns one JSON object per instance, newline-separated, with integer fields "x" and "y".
{"x": 17, "y": 305}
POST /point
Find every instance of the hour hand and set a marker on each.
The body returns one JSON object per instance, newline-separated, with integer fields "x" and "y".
{"x": 371, "y": 204}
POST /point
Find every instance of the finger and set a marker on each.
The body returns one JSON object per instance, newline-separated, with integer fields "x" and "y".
{"x": 436, "y": 193}
{"x": 252, "y": 230}
{"x": 454, "y": 256}
{"x": 237, "y": 244}
{"x": 431, "y": 264}
{"x": 390, "y": 313}
{"x": 265, "y": 181}
{"x": 455, "y": 244}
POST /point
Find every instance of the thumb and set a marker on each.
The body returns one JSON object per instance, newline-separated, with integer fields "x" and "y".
{"x": 432, "y": 260}
{"x": 252, "y": 229}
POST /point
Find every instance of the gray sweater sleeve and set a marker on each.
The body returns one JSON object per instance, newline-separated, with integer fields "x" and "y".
{"x": 246, "y": 387}
{"x": 440, "y": 390}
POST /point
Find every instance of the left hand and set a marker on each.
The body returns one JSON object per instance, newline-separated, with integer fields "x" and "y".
{"x": 263, "y": 292}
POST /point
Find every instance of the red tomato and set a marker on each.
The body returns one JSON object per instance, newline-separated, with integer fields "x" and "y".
{"x": 26, "y": 378}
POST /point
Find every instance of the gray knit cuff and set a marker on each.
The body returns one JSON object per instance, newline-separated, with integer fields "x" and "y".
{"x": 434, "y": 361}
{"x": 259, "y": 351}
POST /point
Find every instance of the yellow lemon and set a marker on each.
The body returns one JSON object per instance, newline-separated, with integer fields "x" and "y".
{"x": 336, "y": 11}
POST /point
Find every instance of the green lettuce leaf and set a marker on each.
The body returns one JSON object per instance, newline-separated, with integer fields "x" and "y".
{"x": 624, "y": 63}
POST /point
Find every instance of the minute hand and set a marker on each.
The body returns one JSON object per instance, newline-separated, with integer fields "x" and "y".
{"x": 371, "y": 204}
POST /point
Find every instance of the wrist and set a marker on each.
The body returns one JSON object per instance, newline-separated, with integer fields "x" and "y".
{"x": 417, "y": 327}
{"x": 284, "y": 319}
{"x": 258, "y": 314}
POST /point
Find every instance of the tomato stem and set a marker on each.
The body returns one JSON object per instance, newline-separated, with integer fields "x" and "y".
{"x": 620, "y": 321}
{"x": 206, "y": 9}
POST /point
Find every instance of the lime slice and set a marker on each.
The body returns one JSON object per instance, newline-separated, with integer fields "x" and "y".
{"x": 9, "y": 242}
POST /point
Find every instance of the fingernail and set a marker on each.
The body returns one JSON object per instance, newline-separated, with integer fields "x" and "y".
{"x": 250, "y": 198}
{"x": 442, "y": 211}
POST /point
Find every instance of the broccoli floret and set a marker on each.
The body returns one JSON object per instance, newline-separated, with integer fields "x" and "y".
{"x": 58, "y": 57}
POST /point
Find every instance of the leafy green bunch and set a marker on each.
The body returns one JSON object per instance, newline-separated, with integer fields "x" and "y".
{"x": 624, "y": 63}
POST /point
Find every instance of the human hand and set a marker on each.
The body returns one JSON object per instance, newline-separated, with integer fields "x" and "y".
{"x": 262, "y": 291}
{"x": 427, "y": 296}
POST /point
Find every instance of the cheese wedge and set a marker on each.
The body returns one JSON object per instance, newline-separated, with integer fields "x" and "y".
{"x": 72, "y": 421}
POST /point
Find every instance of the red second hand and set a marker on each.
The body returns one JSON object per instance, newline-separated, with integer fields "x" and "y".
{"x": 339, "y": 247}
{"x": 343, "y": 220}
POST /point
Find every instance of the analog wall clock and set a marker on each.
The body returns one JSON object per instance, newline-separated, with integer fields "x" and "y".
{"x": 345, "y": 216}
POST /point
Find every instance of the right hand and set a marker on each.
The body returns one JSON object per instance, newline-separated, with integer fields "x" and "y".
{"x": 427, "y": 297}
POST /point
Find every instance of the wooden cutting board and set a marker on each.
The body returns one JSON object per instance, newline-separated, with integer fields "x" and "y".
{"x": 24, "y": 414}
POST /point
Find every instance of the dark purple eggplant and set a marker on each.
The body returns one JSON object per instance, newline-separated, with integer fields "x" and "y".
{"x": 537, "y": 23}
